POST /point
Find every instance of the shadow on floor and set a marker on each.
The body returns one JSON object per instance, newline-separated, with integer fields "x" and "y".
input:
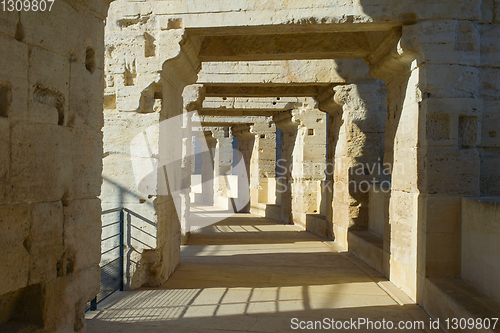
{"x": 249, "y": 274}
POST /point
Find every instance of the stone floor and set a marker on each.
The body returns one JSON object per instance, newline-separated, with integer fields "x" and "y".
{"x": 250, "y": 274}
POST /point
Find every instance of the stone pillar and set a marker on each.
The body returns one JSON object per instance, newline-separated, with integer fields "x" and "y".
{"x": 257, "y": 144}
{"x": 288, "y": 123}
{"x": 358, "y": 151}
{"x": 223, "y": 159}
{"x": 263, "y": 165}
{"x": 432, "y": 136}
{"x": 193, "y": 98}
{"x": 309, "y": 163}
{"x": 142, "y": 170}
{"x": 246, "y": 142}
{"x": 207, "y": 170}
{"x": 303, "y": 163}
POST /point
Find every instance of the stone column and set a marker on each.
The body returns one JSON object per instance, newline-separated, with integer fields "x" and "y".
{"x": 193, "y": 98}
{"x": 263, "y": 165}
{"x": 303, "y": 163}
{"x": 223, "y": 159}
{"x": 246, "y": 142}
{"x": 257, "y": 143}
{"x": 142, "y": 170}
{"x": 308, "y": 170}
{"x": 207, "y": 170}
{"x": 288, "y": 123}
{"x": 432, "y": 137}
{"x": 358, "y": 151}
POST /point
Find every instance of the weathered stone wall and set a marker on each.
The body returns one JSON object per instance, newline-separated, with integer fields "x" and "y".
{"x": 489, "y": 120}
{"x": 358, "y": 142}
{"x": 51, "y": 82}
{"x": 480, "y": 232}
{"x": 259, "y": 14}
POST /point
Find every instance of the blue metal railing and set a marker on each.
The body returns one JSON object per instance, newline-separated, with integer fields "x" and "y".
{"x": 112, "y": 270}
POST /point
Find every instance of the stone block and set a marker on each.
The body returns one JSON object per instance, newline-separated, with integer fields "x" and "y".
{"x": 443, "y": 214}
{"x": 378, "y": 211}
{"x": 438, "y": 126}
{"x": 404, "y": 276}
{"x": 480, "y": 263}
{"x": 46, "y": 242}
{"x": 468, "y": 131}
{"x": 446, "y": 41}
{"x": 82, "y": 233}
{"x": 372, "y": 121}
{"x": 364, "y": 147}
{"x": 451, "y": 81}
{"x": 15, "y": 222}
{"x": 86, "y": 162}
{"x": 4, "y": 157}
{"x": 119, "y": 180}
{"x": 116, "y": 123}
{"x": 446, "y": 165}
{"x": 65, "y": 298}
{"x": 490, "y": 124}
{"x": 403, "y": 210}
{"x": 405, "y": 170}
{"x": 9, "y": 23}
{"x": 85, "y": 100}
{"x": 490, "y": 178}
{"x": 86, "y": 30}
{"x": 490, "y": 49}
{"x": 49, "y": 87}
{"x": 41, "y": 165}
{"x": 489, "y": 83}
{"x": 442, "y": 255}
{"x": 406, "y": 134}
{"x": 14, "y": 75}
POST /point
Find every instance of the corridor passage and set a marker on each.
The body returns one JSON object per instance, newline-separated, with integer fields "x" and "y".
{"x": 251, "y": 274}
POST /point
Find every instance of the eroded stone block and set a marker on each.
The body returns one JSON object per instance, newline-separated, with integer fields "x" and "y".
{"x": 15, "y": 222}
{"x": 45, "y": 242}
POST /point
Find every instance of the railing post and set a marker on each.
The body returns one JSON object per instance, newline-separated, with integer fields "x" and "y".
{"x": 93, "y": 304}
{"x": 122, "y": 245}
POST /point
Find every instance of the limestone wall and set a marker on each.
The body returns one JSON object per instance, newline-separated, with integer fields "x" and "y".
{"x": 480, "y": 232}
{"x": 51, "y": 82}
{"x": 323, "y": 71}
{"x": 257, "y": 13}
{"x": 489, "y": 122}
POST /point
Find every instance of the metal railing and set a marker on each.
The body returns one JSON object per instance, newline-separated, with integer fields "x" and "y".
{"x": 112, "y": 258}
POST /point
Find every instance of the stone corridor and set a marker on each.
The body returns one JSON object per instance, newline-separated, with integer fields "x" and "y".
{"x": 248, "y": 273}
{"x": 373, "y": 124}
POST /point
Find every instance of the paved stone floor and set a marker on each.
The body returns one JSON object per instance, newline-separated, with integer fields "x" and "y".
{"x": 251, "y": 274}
